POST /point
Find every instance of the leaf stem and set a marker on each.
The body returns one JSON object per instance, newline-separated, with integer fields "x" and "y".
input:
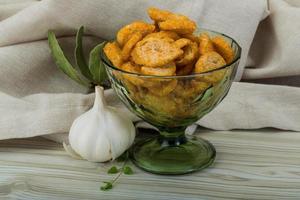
{"x": 120, "y": 173}
{"x": 123, "y": 170}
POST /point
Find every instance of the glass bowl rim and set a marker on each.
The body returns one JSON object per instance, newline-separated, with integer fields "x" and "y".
{"x": 237, "y": 58}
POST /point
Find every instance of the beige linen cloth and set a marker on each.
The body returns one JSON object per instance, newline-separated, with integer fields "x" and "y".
{"x": 37, "y": 99}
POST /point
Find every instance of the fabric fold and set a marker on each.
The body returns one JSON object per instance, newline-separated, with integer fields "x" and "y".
{"x": 247, "y": 106}
{"x": 38, "y": 99}
{"x": 275, "y": 49}
{"x": 254, "y": 106}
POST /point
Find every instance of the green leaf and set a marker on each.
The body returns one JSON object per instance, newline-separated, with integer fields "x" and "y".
{"x": 61, "y": 61}
{"x": 127, "y": 170}
{"x": 96, "y": 66}
{"x": 113, "y": 170}
{"x": 79, "y": 56}
{"x": 106, "y": 186}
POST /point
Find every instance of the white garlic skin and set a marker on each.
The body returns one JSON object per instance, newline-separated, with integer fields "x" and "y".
{"x": 102, "y": 133}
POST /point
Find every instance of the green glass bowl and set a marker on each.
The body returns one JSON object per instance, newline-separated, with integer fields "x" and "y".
{"x": 171, "y": 103}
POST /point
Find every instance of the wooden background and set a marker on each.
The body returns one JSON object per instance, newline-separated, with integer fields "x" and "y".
{"x": 262, "y": 164}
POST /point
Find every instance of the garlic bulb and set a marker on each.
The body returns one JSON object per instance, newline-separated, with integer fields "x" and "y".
{"x": 101, "y": 134}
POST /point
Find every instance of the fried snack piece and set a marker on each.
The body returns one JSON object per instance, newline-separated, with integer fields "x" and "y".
{"x": 205, "y": 44}
{"x": 215, "y": 76}
{"x": 199, "y": 86}
{"x": 113, "y": 53}
{"x": 190, "y": 89}
{"x": 182, "y": 42}
{"x": 170, "y": 21}
{"x": 130, "y": 67}
{"x": 138, "y": 26}
{"x": 179, "y": 25}
{"x": 155, "y": 52}
{"x": 167, "y": 70}
{"x": 161, "y": 105}
{"x": 159, "y": 15}
{"x": 163, "y": 34}
{"x": 183, "y": 91}
{"x": 131, "y": 88}
{"x": 190, "y": 55}
{"x": 209, "y": 61}
{"x": 165, "y": 88}
{"x": 223, "y": 48}
{"x": 135, "y": 92}
{"x": 191, "y": 37}
{"x": 185, "y": 70}
{"x": 127, "y": 48}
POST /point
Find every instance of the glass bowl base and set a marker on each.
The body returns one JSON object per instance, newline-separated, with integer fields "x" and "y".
{"x": 174, "y": 156}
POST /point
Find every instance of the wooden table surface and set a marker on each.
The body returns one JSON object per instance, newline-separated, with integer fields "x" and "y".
{"x": 262, "y": 164}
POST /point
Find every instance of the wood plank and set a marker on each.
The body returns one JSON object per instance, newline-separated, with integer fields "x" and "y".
{"x": 262, "y": 164}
